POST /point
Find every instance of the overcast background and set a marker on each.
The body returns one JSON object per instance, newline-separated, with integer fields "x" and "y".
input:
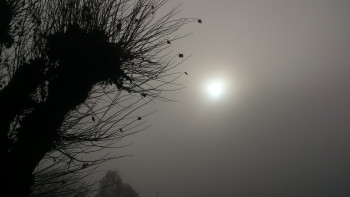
{"x": 282, "y": 127}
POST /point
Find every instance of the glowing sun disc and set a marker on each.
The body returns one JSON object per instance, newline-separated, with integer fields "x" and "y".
{"x": 215, "y": 89}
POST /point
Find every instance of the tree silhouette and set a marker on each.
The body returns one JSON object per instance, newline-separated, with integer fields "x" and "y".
{"x": 72, "y": 75}
{"x": 113, "y": 186}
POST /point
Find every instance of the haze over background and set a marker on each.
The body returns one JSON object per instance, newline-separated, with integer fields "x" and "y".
{"x": 282, "y": 125}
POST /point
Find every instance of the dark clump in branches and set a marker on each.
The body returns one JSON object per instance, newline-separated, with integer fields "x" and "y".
{"x": 72, "y": 73}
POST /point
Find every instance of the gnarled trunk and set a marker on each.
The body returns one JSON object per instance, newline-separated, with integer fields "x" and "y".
{"x": 77, "y": 61}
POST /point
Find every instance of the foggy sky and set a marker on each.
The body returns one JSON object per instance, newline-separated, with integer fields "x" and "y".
{"x": 283, "y": 126}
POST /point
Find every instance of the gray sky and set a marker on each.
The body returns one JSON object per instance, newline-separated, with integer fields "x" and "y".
{"x": 282, "y": 125}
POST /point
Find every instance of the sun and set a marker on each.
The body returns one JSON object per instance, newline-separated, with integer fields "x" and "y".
{"x": 215, "y": 88}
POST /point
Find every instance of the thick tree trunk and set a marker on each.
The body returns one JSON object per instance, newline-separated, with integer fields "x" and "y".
{"x": 39, "y": 130}
{"x": 84, "y": 59}
{"x": 14, "y": 99}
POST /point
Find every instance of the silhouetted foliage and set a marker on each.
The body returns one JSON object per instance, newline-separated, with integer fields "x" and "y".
{"x": 72, "y": 75}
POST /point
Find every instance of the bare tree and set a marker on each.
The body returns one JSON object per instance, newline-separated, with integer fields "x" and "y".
{"x": 113, "y": 186}
{"x": 73, "y": 73}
